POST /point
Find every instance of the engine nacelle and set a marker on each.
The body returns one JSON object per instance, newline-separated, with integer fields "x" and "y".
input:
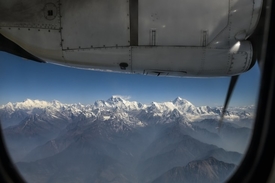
{"x": 175, "y": 38}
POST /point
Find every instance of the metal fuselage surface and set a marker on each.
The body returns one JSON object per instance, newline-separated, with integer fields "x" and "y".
{"x": 158, "y": 37}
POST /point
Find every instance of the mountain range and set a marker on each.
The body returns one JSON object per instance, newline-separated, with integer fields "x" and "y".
{"x": 13, "y": 113}
{"x": 118, "y": 140}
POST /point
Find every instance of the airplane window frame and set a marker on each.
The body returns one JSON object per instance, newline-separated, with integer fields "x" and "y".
{"x": 259, "y": 159}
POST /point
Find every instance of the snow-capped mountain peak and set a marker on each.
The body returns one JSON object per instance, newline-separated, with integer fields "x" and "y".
{"x": 30, "y": 104}
{"x": 8, "y": 107}
{"x": 115, "y": 99}
{"x": 121, "y": 102}
{"x": 177, "y": 99}
{"x": 56, "y": 103}
{"x": 180, "y": 101}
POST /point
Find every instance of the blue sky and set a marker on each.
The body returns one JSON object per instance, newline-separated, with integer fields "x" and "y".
{"x": 21, "y": 79}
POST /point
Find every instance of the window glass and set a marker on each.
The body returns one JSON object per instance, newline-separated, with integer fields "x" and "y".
{"x": 159, "y": 124}
{"x": 64, "y": 124}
